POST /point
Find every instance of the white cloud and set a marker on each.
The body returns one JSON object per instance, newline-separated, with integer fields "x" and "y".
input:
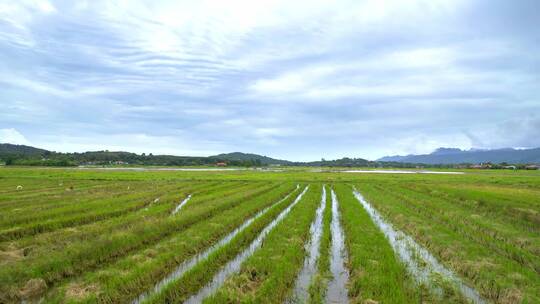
{"x": 18, "y": 16}
{"x": 297, "y": 78}
{"x": 12, "y": 136}
{"x": 423, "y": 144}
{"x": 20, "y": 13}
{"x": 400, "y": 73}
{"x": 521, "y": 131}
{"x": 132, "y": 142}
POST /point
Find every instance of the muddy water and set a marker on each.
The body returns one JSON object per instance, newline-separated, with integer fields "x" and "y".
{"x": 234, "y": 265}
{"x": 158, "y": 169}
{"x": 182, "y": 203}
{"x": 310, "y": 263}
{"x": 337, "y": 287}
{"x": 419, "y": 262}
{"x": 402, "y": 171}
{"x": 187, "y": 265}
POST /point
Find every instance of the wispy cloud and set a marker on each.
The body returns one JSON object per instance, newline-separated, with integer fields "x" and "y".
{"x": 298, "y": 80}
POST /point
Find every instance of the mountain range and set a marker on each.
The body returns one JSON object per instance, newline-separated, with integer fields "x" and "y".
{"x": 473, "y": 156}
{"x": 27, "y": 155}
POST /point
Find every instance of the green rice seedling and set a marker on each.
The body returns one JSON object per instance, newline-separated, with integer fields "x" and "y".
{"x": 502, "y": 237}
{"x": 84, "y": 256}
{"x": 91, "y": 235}
{"x": 496, "y": 276}
{"x": 9, "y": 184}
{"x": 136, "y": 273}
{"x": 190, "y": 281}
{"x": 164, "y": 193}
{"x": 496, "y": 203}
{"x": 39, "y": 196}
{"x": 317, "y": 289}
{"x": 269, "y": 275}
{"x": 90, "y": 212}
{"x": 45, "y": 243}
{"x": 376, "y": 273}
{"x": 64, "y": 198}
{"x": 57, "y": 240}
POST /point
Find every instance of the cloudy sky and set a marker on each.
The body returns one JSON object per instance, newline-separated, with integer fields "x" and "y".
{"x": 298, "y": 80}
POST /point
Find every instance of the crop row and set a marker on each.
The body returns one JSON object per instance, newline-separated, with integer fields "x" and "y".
{"x": 111, "y": 239}
{"x": 137, "y": 272}
{"x": 501, "y": 271}
{"x": 270, "y": 274}
{"x": 267, "y": 276}
{"x": 267, "y": 242}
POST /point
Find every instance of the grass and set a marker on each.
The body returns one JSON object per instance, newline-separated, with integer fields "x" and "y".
{"x": 101, "y": 236}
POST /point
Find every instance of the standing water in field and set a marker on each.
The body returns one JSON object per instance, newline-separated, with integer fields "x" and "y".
{"x": 187, "y": 265}
{"x": 234, "y": 265}
{"x": 337, "y": 287}
{"x": 182, "y": 203}
{"x": 420, "y": 262}
{"x": 310, "y": 263}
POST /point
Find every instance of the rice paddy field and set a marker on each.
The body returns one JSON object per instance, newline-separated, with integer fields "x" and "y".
{"x": 261, "y": 236}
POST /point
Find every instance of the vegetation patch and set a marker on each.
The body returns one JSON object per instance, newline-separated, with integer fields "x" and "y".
{"x": 107, "y": 236}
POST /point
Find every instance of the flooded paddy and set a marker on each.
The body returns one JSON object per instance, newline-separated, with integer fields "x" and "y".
{"x": 300, "y": 294}
{"x": 234, "y": 265}
{"x": 181, "y": 205}
{"x": 189, "y": 264}
{"x": 337, "y": 287}
{"x": 124, "y": 236}
{"x": 419, "y": 261}
{"x": 401, "y": 172}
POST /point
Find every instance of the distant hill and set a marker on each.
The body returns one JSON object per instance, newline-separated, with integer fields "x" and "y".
{"x": 342, "y": 162}
{"x": 442, "y": 157}
{"x": 473, "y": 156}
{"x": 239, "y": 156}
{"x": 26, "y": 155}
{"x": 394, "y": 158}
{"x": 20, "y": 149}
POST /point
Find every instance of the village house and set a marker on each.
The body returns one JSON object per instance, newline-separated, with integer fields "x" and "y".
{"x": 481, "y": 166}
{"x": 119, "y": 162}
